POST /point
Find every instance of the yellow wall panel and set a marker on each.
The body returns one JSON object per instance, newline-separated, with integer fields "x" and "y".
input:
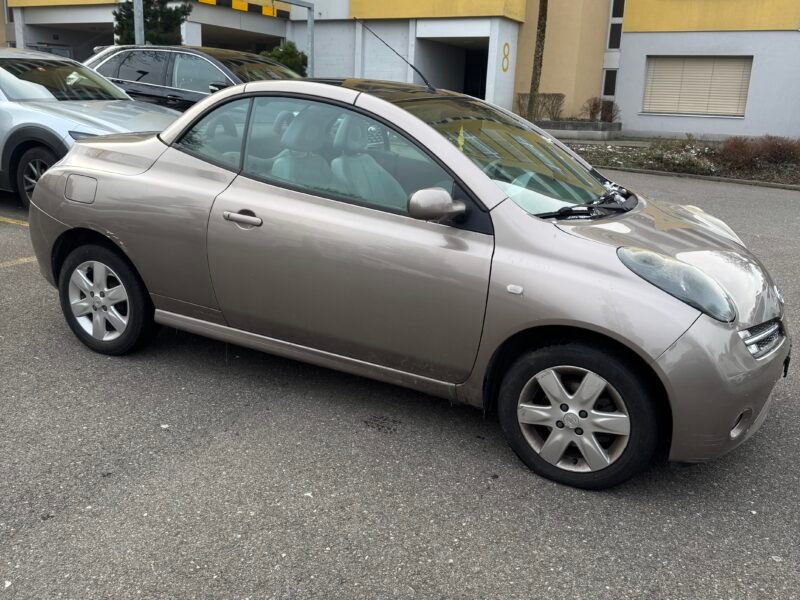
{"x": 424, "y": 9}
{"x": 711, "y": 15}
{"x": 573, "y": 51}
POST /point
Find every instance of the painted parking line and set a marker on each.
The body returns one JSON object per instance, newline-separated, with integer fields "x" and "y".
{"x": 11, "y": 221}
{"x": 17, "y": 261}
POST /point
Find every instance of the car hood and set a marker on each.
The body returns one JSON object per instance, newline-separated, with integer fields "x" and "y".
{"x": 108, "y": 116}
{"x": 691, "y": 235}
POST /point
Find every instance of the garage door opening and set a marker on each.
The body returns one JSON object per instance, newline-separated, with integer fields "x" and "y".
{"x": 457, "y": 64}
{"x": 72, "y": 40}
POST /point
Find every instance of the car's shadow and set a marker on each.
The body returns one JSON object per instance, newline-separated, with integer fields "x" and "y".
{"x": 453, "y": 428}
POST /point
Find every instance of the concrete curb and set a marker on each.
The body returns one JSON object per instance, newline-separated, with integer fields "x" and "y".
{"x": 767, "y": 184}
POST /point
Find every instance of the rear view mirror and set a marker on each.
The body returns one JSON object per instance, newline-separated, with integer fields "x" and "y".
{"x": 217, "y": 86}
{"x": 432, "y": 204}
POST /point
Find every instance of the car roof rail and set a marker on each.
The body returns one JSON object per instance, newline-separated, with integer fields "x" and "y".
{"x": 98, "y": 49}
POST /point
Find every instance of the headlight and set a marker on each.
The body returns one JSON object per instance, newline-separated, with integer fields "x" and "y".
{"x": 80, "y": 135}
{"x": 681, "y": 280}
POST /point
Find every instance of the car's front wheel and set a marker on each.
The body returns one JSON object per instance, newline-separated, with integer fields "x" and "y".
{"x": 104, "y": 302}
{"x": 578, "y": 415}
{"x": 32, "y": 165}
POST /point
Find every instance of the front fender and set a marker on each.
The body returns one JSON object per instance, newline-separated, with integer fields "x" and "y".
{"x": 544, "y": 277}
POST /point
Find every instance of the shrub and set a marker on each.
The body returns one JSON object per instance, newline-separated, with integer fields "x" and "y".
{"x": 609, "y": 111}
{"x": 738, "y": 154}
{"x": 592, "y": 108}
{"x": 747, "y": 155}
{"x": 548, "y": 106}
{"x": 684, "y": 156}
{"x": 778, "y": 151}
{"x": 522, "y": 103}
{"x": 289, "y": 56}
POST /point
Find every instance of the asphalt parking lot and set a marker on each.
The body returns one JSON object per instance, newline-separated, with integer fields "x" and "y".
{"x": 197, "y": 470}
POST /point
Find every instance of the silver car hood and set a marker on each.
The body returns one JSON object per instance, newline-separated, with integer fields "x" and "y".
{"x": 697, "y": 238}
{"x": 108, "y": 116}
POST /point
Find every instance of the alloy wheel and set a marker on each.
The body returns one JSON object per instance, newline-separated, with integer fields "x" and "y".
{"x": 31, "y": 174}
{"x": 99, "y": 301}
{"x": 574, "y": 419}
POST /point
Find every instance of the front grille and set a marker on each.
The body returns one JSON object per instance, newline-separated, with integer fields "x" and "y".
{"x": 762, "y": 339}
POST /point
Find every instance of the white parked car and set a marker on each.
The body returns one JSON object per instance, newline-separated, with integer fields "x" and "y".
{"x": 47, "y": 102}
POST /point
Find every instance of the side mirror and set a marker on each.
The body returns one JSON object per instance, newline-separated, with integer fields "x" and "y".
{"x": 217, "y": 86}
{"x": 432, "y": 204}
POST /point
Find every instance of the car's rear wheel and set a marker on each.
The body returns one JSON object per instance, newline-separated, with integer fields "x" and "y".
{"x": 578, "y": 415}
{"x": 32, "y": 165}
{"x": 104, "y": 302}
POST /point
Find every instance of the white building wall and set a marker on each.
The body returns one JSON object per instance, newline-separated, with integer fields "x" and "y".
{"x": 343, "y": 48}
{"x": 378, "y": 60}
{"x": 334, "y": 47}
{"x": 774, "y": 83}
{"x": 502, "y": 62}
{"x": 324, "y": 9}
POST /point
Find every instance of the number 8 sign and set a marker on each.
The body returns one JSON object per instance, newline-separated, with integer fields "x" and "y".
{"x": 506, "y": 57}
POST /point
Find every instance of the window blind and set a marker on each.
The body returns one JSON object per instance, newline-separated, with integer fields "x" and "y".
{"x": 697, "y": 85}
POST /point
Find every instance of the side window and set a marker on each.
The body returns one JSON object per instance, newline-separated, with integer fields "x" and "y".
{"x": 110, "y": 68}
{"x": 218, "y": 137}
{"x": 194, "y": 73}
{"x": 144, "y": 66}
{"x": 325, "y": 149}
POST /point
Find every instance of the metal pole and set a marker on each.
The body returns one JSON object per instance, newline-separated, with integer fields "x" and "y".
{"x": 138, "y": 22}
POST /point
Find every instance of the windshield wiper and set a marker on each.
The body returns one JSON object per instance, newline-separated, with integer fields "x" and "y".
{"x": 582, "y": 211}
{"x": 613, "y": 200}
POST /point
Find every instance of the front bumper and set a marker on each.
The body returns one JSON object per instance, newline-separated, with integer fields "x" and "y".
{"x": 719, "y": 394}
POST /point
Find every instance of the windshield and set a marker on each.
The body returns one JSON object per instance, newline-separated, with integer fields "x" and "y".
{"x": 534, "y": 172}
{"x": 250, "y": 68}
{"x": 36, "y": 79}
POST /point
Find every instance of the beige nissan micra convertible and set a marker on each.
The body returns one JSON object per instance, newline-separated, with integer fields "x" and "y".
{"x": 430, "y": 240}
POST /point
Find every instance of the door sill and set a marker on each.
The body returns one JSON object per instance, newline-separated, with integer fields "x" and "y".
{"x": 312, "y": 356}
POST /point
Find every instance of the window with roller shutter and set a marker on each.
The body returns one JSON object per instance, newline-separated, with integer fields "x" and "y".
{"x": 697, "y": 85}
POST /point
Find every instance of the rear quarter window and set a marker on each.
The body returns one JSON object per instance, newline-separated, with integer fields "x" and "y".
{"x": 144, "y": 66}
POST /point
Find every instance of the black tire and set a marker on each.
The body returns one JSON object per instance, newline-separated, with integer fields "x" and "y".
{"x": 632, "y": 389}
{"x": 35, "y": 156}
{"x": 138, "y": 309}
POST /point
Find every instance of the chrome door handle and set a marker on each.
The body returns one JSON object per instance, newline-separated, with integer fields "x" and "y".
{"x": 245, "y": 218}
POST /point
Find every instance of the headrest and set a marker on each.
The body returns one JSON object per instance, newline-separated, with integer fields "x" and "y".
{"x": 307, "y": 132}
{"x": 282, "y": 121}
{"x": 351, "y": 138}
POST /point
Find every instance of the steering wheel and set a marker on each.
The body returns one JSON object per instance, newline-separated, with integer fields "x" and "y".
{"x": 224, "y": 121}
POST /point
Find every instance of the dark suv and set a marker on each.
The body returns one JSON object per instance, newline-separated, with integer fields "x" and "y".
{"x": 179, "y": 76}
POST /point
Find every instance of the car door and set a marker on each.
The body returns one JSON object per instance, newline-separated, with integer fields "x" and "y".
{"x": 171, "y": 214}
{"x": 312, "y": 245}
{"x": 191, "y": 78}
{"x": 141, "y": 73}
